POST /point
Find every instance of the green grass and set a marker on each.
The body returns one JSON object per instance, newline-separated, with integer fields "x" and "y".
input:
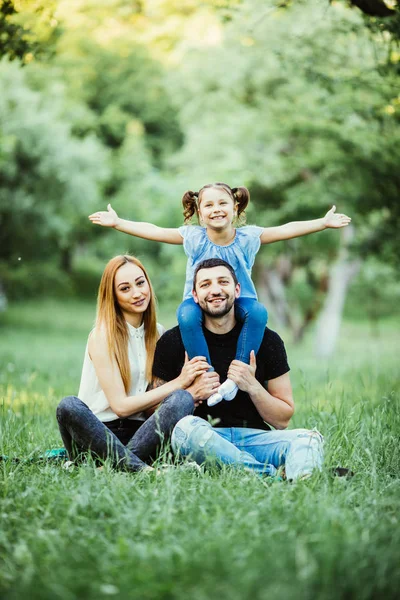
{"x": 99, "y": 534}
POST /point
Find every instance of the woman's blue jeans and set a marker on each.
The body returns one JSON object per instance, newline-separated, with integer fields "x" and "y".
{"x": 299, "y": 450}
{"x": 249, "y": 311}
{"x": 82, "y": 431}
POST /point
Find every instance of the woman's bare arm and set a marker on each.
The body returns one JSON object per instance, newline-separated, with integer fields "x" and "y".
{"x": 110, "y": 379}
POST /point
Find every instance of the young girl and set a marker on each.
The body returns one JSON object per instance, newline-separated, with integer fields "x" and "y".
{"x": 218, "y": 208}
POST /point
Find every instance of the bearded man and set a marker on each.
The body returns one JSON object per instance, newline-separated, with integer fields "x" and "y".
{"x": 250, "y": 430}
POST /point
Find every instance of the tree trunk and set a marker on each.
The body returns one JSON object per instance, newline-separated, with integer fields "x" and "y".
{"x": 320, "y": 287}
{"x": 3, "y": 298}
{"x": 271, "y": 284}
{"x": 66, "y": 260}
{"x": 340, "y": 277}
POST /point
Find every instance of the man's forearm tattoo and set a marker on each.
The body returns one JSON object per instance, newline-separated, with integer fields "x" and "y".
{"x": 155, "y": 383}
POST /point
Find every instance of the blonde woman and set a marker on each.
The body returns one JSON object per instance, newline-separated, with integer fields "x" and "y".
{"x": 108, "y": 418}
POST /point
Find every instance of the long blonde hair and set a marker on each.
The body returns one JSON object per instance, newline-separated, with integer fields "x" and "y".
{"x": 109, "y": 315}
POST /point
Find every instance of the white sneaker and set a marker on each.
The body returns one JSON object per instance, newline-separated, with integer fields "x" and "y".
{"x": 214, "y": 399}
{"x": 228, "y": 389}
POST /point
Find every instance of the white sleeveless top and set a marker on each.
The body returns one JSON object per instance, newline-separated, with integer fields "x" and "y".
{"x": 92, "y": 394}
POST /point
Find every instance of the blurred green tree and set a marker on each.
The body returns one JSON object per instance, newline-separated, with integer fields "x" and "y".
{"x": 49, "y": 179}
{"x": 119, "y": 85}
{"x": 299, "y": 101}
{"x": 307, "y": 118}
{"x": 375, "y": 293}
{"x": 28, "y": 29}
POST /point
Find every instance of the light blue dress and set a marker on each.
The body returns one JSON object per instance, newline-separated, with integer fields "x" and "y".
{"x": 240, "y": 254}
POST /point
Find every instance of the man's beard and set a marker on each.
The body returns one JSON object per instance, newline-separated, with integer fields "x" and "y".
{"x": 217, "y": 311}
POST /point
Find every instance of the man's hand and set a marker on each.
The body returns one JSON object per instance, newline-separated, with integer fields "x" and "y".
{"x": 204, "y": 386}
{"x": 192, "y": 369}
{"x": 334, "y": 220}
{"x": 106, "y": 218}
{"x": 244, "y": 375}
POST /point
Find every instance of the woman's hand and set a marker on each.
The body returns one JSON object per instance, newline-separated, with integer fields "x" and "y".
{"x": 192, "y": 369}
{"x": 334, "y": 220}
{"x": 106, "y": 218}
{"x": 204, "y": 386}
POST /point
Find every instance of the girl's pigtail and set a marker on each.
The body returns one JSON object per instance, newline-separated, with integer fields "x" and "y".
{"x": 189, "y": 204}
{"x": 242, "y": 197}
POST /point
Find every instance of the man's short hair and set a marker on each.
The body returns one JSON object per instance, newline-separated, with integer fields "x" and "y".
{"x": 209, "y": 263}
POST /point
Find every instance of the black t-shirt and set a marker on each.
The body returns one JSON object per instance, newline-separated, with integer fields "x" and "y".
{"x": 240, "y": 412}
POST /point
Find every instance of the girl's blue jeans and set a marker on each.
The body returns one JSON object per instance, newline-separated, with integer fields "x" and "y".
{"x": 249, "y": 311}
{"x": 299, "y": 450}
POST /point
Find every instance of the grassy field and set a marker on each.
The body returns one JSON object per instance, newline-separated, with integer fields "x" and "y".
{"x": 99, "y": 534}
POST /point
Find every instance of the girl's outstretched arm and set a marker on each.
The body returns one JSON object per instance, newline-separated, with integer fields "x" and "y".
{"x": 331, "y": 220}
{"x": 148, "y": 231}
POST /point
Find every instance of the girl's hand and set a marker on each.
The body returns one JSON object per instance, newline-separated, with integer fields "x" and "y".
{"x": 334, "y": 220}
{"x": 192, "y": 369}
{"x": 108, "y": 218}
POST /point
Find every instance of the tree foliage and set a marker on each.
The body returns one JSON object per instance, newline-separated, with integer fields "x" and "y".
{"x": 137, "y": 102}
{"x": 48, "y": 177}
{"x": 28, "y": 29}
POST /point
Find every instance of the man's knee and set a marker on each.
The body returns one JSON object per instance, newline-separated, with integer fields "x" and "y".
{"x": 305, "y": 455}
{"x": 303, "y": 438}
{"x": 190, "y": 430}
{"x": 311, "y": 434}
